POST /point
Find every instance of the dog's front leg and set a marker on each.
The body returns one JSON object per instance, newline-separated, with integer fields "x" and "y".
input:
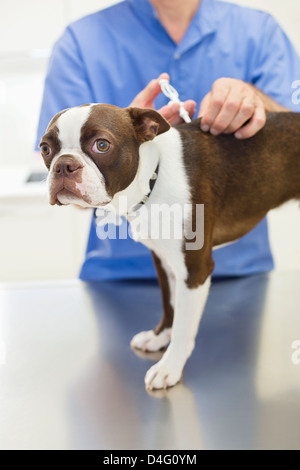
{"x": 189, "y": 305}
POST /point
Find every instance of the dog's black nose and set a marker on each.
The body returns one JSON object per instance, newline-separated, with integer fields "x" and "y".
{"x": 66, "y": 165}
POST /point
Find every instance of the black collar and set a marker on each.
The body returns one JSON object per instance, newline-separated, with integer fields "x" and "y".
{"x": 151, "y": 184}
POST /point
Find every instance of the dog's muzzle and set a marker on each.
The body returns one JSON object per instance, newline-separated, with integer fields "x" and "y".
{"x": 67, "y": 166}
{"x": 65, "y": 179}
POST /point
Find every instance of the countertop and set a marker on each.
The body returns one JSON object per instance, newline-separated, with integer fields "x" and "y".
{"x": 15, "y": 182}
{"x": 69, "y": 380}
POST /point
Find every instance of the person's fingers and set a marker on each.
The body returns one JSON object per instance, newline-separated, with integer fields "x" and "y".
{"x": 190, "y": 107}
{"x": 232, "y": 106}
{"x": 255, "y": 124}
{"x": 171, "y": 112}
{"x": 245, "y": 112}
{"x": 217, "y": 98}
{"x": 147, "y": 96}
{"x": 204, "y": 105}
{"x": 165, "y": 76}
{"x": 228, "y": 112}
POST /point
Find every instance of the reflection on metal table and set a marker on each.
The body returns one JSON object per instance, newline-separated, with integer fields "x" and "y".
{"x": 69, "y": 380}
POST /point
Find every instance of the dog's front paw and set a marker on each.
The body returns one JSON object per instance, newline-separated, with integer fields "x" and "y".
{"x": 162, "y": 375}
{"x": 149, "y": 341}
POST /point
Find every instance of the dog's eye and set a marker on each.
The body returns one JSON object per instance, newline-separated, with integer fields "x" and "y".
{"x": 45, "y": 150}
{"x": 101, "y": 146}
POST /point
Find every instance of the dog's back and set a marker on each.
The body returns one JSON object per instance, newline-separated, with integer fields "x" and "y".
{"x": 241, "y": 180}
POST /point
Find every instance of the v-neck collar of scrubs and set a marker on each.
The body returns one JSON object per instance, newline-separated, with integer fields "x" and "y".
{"x": 204, "y": 22}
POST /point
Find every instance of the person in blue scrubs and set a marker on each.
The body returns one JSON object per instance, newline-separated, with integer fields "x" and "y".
{"x": 111, "y": 55}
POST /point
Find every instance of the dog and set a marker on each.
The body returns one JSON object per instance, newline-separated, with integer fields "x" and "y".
{"x": 98, "y": 153}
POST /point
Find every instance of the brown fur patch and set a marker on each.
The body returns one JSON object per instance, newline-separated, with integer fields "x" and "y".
{"x": 51, "y": 139}
{"x": 119, "y": 165}
{"x": 125, "y": 130}
{"x": 147, "y": 123}
{"x": 239, "y": 181}
{"x": 167, "y": 319}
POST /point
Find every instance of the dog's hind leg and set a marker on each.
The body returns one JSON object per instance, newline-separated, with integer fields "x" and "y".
{"x": 154, "y": 340}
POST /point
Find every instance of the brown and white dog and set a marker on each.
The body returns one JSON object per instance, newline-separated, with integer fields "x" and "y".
{"x": 97, "y": 153}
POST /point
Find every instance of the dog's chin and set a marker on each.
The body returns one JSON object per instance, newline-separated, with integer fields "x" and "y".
{"x": 66, "y": 197}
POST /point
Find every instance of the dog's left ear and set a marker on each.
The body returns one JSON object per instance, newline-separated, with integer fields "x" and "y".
{"x": 147, "y": 123}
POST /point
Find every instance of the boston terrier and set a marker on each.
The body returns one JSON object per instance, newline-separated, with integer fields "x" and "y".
{"x": 99, "y": 155}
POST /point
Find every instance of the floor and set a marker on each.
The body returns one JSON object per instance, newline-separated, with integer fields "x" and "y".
{"x": 69, "y": 380}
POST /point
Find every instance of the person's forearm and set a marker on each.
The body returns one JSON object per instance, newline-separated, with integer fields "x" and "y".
{"x": 270, "y": 104}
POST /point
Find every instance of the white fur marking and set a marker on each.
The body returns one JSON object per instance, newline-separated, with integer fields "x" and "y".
{"x": 223, "y": 245}
{"x": 171, "y": 281}
{"x": 171, "y": 187}
{"x": 149, "y": 341}
{"x": 70, "y": 124}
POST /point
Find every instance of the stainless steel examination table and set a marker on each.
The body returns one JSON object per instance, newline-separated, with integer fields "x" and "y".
{"x": 69, "y": 380}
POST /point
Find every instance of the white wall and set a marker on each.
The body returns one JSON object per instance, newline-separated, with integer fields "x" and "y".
{"x": 287, "y": 13}
{"x": 35, "y": 24}
{"x": 27, "y": 33}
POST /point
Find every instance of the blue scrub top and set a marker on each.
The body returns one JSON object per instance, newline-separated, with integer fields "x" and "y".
{"x": 110, "y": 56}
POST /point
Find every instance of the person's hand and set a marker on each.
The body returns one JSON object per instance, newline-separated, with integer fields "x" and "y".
{"x": 229, "y": 105}
{"x": 145, "y": 99}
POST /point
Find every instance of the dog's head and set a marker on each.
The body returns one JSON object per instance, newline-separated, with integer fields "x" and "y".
{"x": 92, "y": 151}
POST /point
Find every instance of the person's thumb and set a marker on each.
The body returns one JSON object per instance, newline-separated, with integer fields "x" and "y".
{"x": 145, "y": 99}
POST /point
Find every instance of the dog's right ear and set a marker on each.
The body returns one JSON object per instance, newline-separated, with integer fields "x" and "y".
{"x": 147, "y": 123}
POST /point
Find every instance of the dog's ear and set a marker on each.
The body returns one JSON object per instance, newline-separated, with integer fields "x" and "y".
{"x": 147, "y": 123}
